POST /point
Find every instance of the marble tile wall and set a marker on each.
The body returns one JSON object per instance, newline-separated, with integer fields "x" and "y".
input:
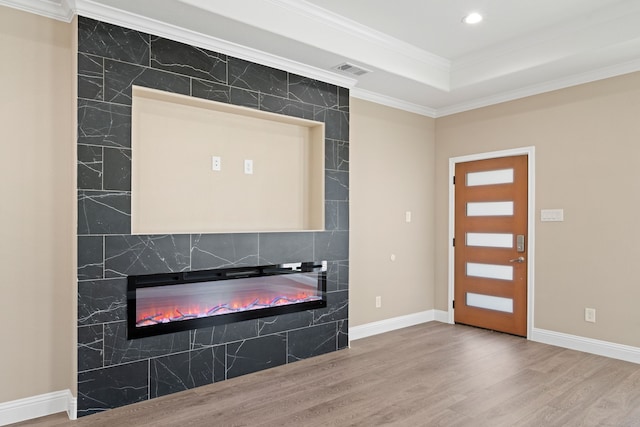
{"x": 113, "y": 371}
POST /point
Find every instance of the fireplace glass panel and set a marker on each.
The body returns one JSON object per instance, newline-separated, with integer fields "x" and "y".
{"x": 178, "y": 301}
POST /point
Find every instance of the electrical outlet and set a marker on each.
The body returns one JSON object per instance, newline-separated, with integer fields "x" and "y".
{"x": 378, "y": 301}
{"x": 248, "y": 167}
{"x": 216, "y": 163}
{"x": 590, "y": 315}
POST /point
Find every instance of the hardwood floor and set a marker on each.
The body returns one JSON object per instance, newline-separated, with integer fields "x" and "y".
{"x": 428, "y": 375}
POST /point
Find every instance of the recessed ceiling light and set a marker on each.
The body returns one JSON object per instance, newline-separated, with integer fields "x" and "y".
{"x": 472, "y": 18}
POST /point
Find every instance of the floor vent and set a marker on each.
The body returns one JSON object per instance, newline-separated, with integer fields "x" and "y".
{"x": 351, "y": 69}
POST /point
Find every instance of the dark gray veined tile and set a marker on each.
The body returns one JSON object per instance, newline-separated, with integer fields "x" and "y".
{"x": 342, "y": 156}
{"x": 211, "y": 91}
{"x": 142, "y": 254}
{"x": 330, "y": 154}
{"x": 89, "y": 167}
{"x": 90, "y": 76}
{"x": 277, "y": 248}
{"x": 102, "y": 389}
{"x": 117, "y": 169}
{"x": 102, "y": 301}
{"x": 90, "y": 257}
{"x": 287, "y": 107}
{"x": 179, "y": 372}
{"x": 336, "y": 122}
{"x": 111, "y": 41}
{"x": 256, "y": 354}
{"x": 285, "y": 322}
{"x": 343, "y": 334}
{"x": 343, "y": 99}
{"x": 332, "y": 245}
{"x": 336, "y": 185}
{"x": 313, "y": 91}
{"x": 90, "y": 347}
{"x": 104, "y": 212}
{"x": 219, "y": 363}
{"x": 343, "y": 216}
{"x": 332, "y": 276}
{"x": 310, "y": 342}
{"x": 331, "y": 215}
{"x": 244, "y": 98}
{"x": 343, "y": 275}
{"x": 104, "y": 124}
{"x": 118, "y": 349}
{"x": 190, "y": 358}
{"x": 119, "y": 77}
{"x": 221, "y": 334}
{"x": 188, "y": 60}
{"x": 336, "y": 155}
{"x": 223, "y": 250}
{"x": 256, "y": 77}
{"x": 337, "y": 308}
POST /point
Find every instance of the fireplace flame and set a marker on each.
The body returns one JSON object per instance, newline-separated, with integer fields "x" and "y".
{"x": 157, "y": 315}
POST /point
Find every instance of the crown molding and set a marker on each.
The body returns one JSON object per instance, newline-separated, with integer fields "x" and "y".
{"x": 537, "y": 89}
{"x": 115, "y": 16}
{"x": 59, "y": 10}
{"x": 393, "y": 102}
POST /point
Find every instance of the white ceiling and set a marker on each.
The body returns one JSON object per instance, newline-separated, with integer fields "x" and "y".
{"x": 422, "y": 57}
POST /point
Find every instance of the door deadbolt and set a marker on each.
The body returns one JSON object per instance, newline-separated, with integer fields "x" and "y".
{"x": 520, "y": 243}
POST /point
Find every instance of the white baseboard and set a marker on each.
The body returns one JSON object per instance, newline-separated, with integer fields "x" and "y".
{"x": 38, "y": 406}
{"x": 387, "y": 325}
{"x": 559, "y": 339}
{"x": 441, "y": 316}
{"x": 587, "y": 345}
{"x": 72, "y": 411}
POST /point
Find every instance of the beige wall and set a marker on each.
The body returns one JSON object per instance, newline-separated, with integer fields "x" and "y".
{"x": 392, "y": 167}
{"x": 38, "y": 303}
{"x": 587, "y": 163}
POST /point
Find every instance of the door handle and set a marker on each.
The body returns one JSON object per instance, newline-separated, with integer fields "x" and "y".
{"x": 519, "y": 259}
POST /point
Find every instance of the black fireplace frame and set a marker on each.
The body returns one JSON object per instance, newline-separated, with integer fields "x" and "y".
{"x": 163, "y": 279}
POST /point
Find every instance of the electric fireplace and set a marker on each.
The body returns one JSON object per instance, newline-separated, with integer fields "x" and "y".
{"x": 171, "y": 302}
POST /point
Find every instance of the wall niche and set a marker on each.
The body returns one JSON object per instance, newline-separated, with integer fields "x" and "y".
{"x": 176, "y": 188}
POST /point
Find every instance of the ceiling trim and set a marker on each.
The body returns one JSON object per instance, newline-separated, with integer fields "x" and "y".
{"x": 60, "y": 10}
{"x": 393, "y": 102}
{"x": 574, "y": 80}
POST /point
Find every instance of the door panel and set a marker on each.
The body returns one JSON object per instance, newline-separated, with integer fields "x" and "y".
{"x": 490, "y": 273}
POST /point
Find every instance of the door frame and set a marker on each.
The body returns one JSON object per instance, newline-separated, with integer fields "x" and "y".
{"x": 530, "y": 152}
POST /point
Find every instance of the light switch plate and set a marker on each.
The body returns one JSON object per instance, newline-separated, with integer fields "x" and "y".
{"x": 248, "y": 167}
{"x": 548, "y": 215}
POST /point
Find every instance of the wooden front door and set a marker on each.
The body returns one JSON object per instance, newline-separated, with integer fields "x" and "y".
{"x": 491, "y": 244}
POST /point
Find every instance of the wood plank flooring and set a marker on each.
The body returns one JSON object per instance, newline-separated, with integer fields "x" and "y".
{"x": 427, "y": 375}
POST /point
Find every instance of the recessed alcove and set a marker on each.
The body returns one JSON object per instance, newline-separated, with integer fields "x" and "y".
{"x": 175, "y": 188}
